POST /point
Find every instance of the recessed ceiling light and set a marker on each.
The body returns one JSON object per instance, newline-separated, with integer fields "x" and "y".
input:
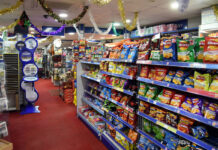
{"x": 174, "y": 5}
{"x": 116, "y": 24}
{"x": 128, "y": 20}
{"x": 32, "y": 32}
{"x": 63, "y": 15}
{"x": 71, "y": 33}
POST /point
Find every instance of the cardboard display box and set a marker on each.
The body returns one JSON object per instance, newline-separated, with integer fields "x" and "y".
{"x": 5, "y": 145}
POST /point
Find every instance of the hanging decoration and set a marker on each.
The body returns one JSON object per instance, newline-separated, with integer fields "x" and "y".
{"x": 12, "y": 8}
{"x": 10, "y": 26}
{"x": 123, "y": 16}
{"x": 96, "y": 26}
{"x": 55, "y": 16}
{"x": 77, "y": 31}
{"x": 101, "y": 2}
{"x": 141, "y": 32}
{"x": 215, "y": 9}
{"x": 183, "y": 5}
{"x": 48, "y": 39}
{"x": 115, "y": 30}
{"x": 48, "y": 33}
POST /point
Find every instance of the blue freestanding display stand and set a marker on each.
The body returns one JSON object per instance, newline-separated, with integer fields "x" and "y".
{"x": 30, "y": 70}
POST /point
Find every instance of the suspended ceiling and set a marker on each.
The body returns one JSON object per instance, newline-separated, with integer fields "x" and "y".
{"x": 150, "y": 11}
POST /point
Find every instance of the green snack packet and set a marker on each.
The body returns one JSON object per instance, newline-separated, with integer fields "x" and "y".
{"x": 152, "y": 92}
{"x": 199, "y": 49}
{"x": 147, "y": 126}
{"x": 185, "y": 50}
{"x": 156, "y": 55}
{"x": 160, "y": 135}
{"x": 142, "y": 89}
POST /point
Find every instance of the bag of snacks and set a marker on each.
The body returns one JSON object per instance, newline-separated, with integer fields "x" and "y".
{"x": 171, "y": 140}
{"x": 112, "y": 67}
{"x": 184, "y": 145}
{"x": 165, "y": 96}
{"x": 214, "y": 84}
{"x": 211, "y": 50}
{"x": 132, "y": 71}
{"x": 153, "y": 112}
{"x": 202, "y": 81}
{"x": 132, "y": 119}
{"x": 152, "y": 92}
{"x": 169, "y": 77}
{"x": 152, "y": 73}
{"x": 120, "y": 68}
{"x": 133, "y": 135}
{"x": 199, "y": 49}
{"x": 133, "y": 53}
{"x": 169, "y": 50}
{"x": 160, "y": 73}
{"x": 125, "y": 115}
{"x": 199, "y": 132}
{"x": 144, "y": 72}
{"x": 161, "y": 115}
{"x": 156, "y": 55}
{"x": 147, "y": 126}
{"x": 185, "y": 50}
{"x": 185, "y": 124}
{"x": 196, "y": 106}
{"x": 125, "y": 52}
{"x": 177, "y": 100}
{"x": 189, "y": 82}
{"x": 211, "y": 111}
{"x": 142, "y": 89}
{"x": 179, "y": 77}
{"x": 144, "y": 107}
{"x": 172, "y": 119}
{"x": 187, "y": 104}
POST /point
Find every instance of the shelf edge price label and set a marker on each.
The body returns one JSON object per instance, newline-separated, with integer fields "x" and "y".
{"x": 167, "y": 126}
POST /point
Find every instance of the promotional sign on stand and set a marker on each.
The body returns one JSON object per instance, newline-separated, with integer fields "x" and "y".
{"x": 30, "y": 73}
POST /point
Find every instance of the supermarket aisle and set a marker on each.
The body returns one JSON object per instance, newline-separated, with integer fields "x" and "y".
{"x": 55, "y": 128}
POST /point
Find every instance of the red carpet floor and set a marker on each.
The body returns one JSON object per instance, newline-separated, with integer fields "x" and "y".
{"x": 55, "y": 128}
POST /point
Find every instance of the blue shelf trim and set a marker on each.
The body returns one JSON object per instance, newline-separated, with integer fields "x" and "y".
{"x": 126, "y": 137}
{"x": 151, "y": 139}
{"x": 121, "y": 120}
{"x": 91, "y": 78}
{"x": 118, "y": 89}
{"x": 117, "y": 60}
{"x": 179, "y": 87}
{"x": 199, "y": 118}
{"x": 106, "y": 135}
{"x": 89, "y": 124}
{"x": 117, "y": 75}
{"x": 139, "y": 147}
{"x": 174, "y": 130}
{"x": 90, "y": 62}
{"x": 93, "y": 106}
{"x": 179, "y": 64}
{"x": 94, "y": 95}
{"x": 168, "y": 32}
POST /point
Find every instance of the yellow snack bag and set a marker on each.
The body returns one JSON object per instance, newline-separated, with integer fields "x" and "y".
{"x": 112, "y": 67}
{"x": 214, "y": 84}
{"x": 201, "y": 81}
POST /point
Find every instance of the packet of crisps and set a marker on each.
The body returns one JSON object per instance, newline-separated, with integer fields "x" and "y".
{"x": 199, "y": 49}
{"x": 201, "y": 81}
{"x": 211, "y": 50}
{"x": 180, "y": 77}
{"x": 185, "y": 50}
{"x": 169, "y": 50}
{"x": 214, "y": 85}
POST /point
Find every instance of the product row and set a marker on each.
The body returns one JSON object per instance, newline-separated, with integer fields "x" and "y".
{"x": 204, "y": 80}
{"x": 191, "y": 104}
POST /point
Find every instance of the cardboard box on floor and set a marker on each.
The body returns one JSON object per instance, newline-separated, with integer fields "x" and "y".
{"x": 5, "y": 145}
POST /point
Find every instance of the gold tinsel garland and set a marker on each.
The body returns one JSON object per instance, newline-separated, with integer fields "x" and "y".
{"x": 123, "y": 16}
{"x": 55, "y": 16}
{"x": 101, "y": 2}
{"x": 10, "y": 26}
{"x": 215, "y": 9}
{"x": 12, "y": 8}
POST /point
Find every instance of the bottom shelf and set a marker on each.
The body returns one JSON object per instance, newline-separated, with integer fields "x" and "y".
{"x": 89, "y": 124}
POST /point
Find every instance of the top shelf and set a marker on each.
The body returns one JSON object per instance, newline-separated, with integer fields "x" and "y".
{"x": 90, "y": 62}
{"x": 168, "y": 32}
{"x": 179, "y": 64}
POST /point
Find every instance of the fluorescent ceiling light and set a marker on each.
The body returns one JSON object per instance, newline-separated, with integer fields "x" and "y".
{"x": 71, "y": 33}
{"x": 32, "y": 32}
{"x": 128, "y": 20}
{"x": 62, "y": 37}
{"x": 175, "y": 5}
{"x": 116, "y": 24}
{"x": 113, "y": 35}
{"x": 63, "y": 15}
{"x": 31, "y": 29}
